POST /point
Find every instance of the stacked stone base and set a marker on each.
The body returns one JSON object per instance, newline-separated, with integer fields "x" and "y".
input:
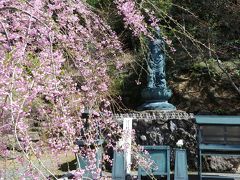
{"x": 164, "y": 131}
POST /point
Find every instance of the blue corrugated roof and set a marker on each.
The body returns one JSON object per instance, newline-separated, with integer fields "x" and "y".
{"x": 212, "y": 119}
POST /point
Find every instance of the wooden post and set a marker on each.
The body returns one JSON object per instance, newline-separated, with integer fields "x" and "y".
{"x": 180, "y": 170}
{"x": 127, "y": 140}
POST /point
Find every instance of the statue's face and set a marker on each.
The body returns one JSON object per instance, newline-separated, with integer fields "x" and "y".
{"x": 158, "y": 42}
{"x": 157, "y": 46}
{"x": 156, "y": 50}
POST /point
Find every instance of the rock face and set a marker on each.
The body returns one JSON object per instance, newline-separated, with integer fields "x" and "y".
{"x": 220, "y": 164}
{"x": 160, "y": 132}
{"x": 200, "y": 94}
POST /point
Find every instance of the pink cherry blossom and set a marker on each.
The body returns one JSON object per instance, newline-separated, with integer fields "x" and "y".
{"x": 132, "y": 16}
{"x": 54, "y": 62}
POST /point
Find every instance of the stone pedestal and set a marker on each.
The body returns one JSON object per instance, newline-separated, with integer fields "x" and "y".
{"x": 157, "y": 105}
{"x": 154, "y": 127}
{"x": 157, "y": 99}
{"x": 167, "y": 130}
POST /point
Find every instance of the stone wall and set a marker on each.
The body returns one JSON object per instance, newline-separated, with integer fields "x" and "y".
{"x": 168, "y": 132}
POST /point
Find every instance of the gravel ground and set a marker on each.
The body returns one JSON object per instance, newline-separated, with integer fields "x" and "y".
{"x": 57, "y": 164}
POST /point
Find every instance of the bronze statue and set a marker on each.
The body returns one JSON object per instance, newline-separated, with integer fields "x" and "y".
{"x": 157, "y": 93}
{"x": 156, "y": 63}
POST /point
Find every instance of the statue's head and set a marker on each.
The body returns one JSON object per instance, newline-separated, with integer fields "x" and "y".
{"x": 158, "y": 32}
{"x": 158, "y": 40}
{"x": 157, "y": 46}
